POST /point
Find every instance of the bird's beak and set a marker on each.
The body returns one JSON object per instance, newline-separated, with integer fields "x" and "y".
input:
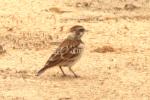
{"x": 86, "y": 30}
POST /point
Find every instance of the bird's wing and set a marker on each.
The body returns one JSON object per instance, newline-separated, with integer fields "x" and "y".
{"x": 67, "y": 50}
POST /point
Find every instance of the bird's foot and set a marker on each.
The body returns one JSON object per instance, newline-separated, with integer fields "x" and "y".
{"x": 77, "y": 76}
{"x": 64, "y": 75}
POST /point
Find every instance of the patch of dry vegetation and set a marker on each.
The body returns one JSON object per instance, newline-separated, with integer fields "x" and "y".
{"x": 104, "y": 49}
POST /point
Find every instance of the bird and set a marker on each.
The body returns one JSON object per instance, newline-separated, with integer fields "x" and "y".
{"x": 68, "y": 52}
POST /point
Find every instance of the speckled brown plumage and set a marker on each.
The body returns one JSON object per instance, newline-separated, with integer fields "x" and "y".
{"x": 68, "y": 52}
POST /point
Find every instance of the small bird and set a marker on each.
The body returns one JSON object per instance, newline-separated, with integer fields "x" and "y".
{"x": 68, "y": 52}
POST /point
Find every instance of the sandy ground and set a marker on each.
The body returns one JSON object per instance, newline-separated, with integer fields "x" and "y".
{"x": 114, "y": 66}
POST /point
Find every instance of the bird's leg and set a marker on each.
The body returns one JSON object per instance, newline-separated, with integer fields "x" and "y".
{"x": 73, "y": 72}
{"x": 62, "y": 71}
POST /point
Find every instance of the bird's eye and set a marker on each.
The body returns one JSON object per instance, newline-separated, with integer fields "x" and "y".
{"x": 81, "y": 30}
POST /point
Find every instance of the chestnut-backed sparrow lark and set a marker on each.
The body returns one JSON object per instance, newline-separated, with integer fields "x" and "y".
{"x": 68, "y": 52}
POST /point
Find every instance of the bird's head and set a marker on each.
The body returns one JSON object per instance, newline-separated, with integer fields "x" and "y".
{"x": 76, "y": 32}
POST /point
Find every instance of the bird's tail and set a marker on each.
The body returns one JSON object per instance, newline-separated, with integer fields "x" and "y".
{"x": 41, "y": 71}
{"x": 48, "y": 64}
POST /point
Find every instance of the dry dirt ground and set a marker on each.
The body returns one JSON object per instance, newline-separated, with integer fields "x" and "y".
{"x": 115, "y": 64}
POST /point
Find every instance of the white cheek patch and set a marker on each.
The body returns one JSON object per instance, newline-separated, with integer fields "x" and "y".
{"x": 81, "y": 33}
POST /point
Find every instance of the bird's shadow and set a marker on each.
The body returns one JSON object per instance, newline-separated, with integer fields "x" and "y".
{"x": 59, "y": 77}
